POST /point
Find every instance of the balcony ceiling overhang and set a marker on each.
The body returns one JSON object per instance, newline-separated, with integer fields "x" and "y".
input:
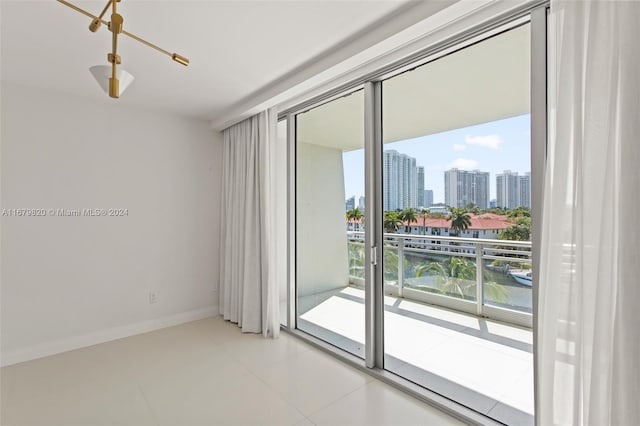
{"x": 485, "y": 82}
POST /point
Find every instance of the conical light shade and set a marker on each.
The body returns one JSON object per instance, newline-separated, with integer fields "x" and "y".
{"x": 102, "y": 73}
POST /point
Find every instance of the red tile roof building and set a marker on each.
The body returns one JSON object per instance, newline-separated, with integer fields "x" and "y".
{"x": 485, "y": 225}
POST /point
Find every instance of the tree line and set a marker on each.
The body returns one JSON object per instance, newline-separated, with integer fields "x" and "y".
{"x": 460, "y": 218}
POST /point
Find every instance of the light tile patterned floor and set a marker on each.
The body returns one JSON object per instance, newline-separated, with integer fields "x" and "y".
{"x": 202, "y": 373}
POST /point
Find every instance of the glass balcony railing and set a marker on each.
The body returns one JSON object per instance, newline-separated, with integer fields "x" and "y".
{"x": 486, "y": 277}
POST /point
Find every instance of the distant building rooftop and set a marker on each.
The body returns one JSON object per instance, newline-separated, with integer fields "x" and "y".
{"x": 483, "y": 221}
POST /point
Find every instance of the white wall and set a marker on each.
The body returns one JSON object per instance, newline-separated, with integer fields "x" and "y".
{"x": 74, "y": 281}
{"x": 321, "y": 238}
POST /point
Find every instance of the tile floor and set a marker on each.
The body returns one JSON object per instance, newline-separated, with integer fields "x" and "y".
{"x": 483, "y": 364}
{"x": 202, "y": 373}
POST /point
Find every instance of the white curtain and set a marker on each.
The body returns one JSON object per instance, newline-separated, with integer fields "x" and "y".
{"x": 251, "y": 267}
{"x": 589, "y": 298}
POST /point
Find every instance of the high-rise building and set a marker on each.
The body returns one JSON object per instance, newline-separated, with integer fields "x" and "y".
{"x": 507, "y": 190}
{"x": 421, "y": 202}
{"x": 462, "y": 188}
{"x": 428, "y": 197}
{"x": 400, "y": 181}
{"x": 350, "y": 203}
{"x": 361, "y": 203}
{"x": 512, "y": 190}
{"x": 524, "y": 188}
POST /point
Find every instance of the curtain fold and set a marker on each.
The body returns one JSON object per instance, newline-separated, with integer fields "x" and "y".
{"x": 588, "y": 326}
{"x": 249, "y": 264}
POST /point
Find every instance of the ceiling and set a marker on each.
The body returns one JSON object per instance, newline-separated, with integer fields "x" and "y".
{"x": 236, "y": 48}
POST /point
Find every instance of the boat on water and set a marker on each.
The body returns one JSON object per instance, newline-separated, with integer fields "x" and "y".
{"x": 523, "y": 278}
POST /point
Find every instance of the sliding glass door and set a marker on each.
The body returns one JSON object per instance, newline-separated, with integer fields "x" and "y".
{"x": 456, "y": 182}
{"x": 415, "y": 193}
{"x": 329, "y": 152}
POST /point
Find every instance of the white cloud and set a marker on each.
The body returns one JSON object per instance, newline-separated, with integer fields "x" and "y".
{"x": 490, "y": 141}
{"x": 459, "y": 147}
{"x": 464, "y": 164}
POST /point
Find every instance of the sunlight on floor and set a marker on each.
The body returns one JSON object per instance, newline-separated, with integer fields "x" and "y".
{"x": 485, "y": 364}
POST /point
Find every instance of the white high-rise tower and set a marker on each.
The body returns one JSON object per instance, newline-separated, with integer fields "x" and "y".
{"x": 462, "y": 188}
{"x": 400, "y": 181}
{"x": 512, "y": 190}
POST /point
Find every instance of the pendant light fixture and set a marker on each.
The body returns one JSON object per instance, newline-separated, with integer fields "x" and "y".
{"x": 112, "y": 79}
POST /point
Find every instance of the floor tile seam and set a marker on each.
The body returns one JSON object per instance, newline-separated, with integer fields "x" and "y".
{"x": 420, "y": 351}
{"x": 456, "y": 379}
{"x": 514, "y": 408}
{"x": 483, "y": 343}
{"x": 437, "y": 345}
{"x": 452, "y": 377}
{"x": 491, "y": 342}
{"x": 281, "y": 395}
{"x": 459, "y": 388}
{"x": 366, "y": 383}
{"x": 146, "y": 379}
{"x": 434, "y": 332}
{"x": 277, "y": 340}
{"x": 496, "y": 397}
{"x": 148, "y": 404}
{"x": 518, "y": 399}
{"x": 211, "y": 338}
{"x": 518, "y": 406}
{"x": 492, "y": 407}
{"x": 470, "y": 380}
{"x": 246, "y": 365}
{"x": 494, "y": 350}
{"x": 296, "y": 356}
{"x": 499, "y": 336}
{"x": 309, "y": 420}
{"x": 306, "y": 348}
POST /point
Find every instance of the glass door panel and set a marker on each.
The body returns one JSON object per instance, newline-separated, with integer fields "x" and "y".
{"x": 457, "y": 199}
{"x": 329, "y": 222}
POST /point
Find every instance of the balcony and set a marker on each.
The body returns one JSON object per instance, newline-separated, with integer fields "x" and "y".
{"x": 466, "y": 274}
{"x": 456, "y": 321}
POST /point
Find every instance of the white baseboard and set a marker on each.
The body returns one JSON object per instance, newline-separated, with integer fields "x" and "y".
{"x": 82, "y": 341}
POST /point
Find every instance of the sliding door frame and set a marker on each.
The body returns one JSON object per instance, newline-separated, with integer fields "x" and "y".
{"x": 539, "y": 138}
{"x": 374, "y": 237}
{"x": 292, "y": 289}
{"x": 533, "y": 12}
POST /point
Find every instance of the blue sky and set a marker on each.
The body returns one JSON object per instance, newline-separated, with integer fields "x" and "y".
{"x": 490, "y": 147}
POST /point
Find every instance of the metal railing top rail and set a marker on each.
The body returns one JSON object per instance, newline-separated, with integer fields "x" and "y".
{"x": 474, "y": 241}
{"x": 442, "y": 253}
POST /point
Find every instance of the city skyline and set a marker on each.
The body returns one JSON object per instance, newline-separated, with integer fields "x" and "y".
{"x": 491, "y": 147}
{"x": 462, "y": 188}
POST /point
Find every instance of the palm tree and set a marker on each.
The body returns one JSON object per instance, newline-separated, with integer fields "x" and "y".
{"x": 424, "y": 213}
{"x": 391, "y": 221}
{"x": 457, "y": 277}
{"x": 408, "y": 215}
{"x": 354, "y": 214}
{"x": 460, "y": 220}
